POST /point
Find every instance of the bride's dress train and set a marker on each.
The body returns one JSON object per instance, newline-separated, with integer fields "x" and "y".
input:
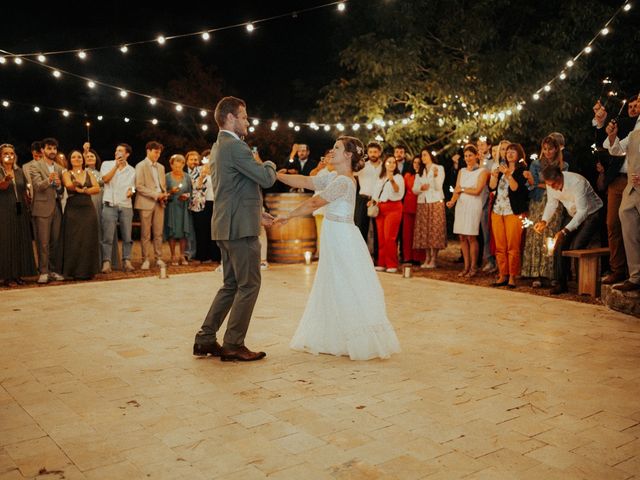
{"x": 346, "y": 312}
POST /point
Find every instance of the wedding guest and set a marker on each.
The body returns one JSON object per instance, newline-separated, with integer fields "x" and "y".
{"x": 431, "y": 224}
{"x": 387, "y": 195}
{"x": 151, "y": 199}
{"x": 582, "y": 204}
{"x": 400, "y": 154}
{"x": 486, "y": 161}
{"x": 16, "y": 251}
{"x": 409, "y": 204}
{"x": 367, "y": 178}
{"x": 177, "y": 224}
{"x": 201, "y": 206}
{"x": 194, "y": 160}
{"x": 36, "y": 155}
{"x": 511, "y": 201}
{"x": 468, "y": 198}
{"x": 117, "y": 209}
{"x": 92, "y": 162}
{"x": 46, "y": 210}
{"x": 536, "y": 263}
{"x": 80, "y": 221}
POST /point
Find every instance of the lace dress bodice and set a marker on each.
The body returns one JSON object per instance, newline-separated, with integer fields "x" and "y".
{"x": 340, "y": 192}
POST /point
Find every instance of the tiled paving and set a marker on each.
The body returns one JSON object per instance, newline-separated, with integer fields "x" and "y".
{"x": 98, "y": 382}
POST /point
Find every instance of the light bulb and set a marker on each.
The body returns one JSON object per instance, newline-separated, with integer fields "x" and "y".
{"x": 57, "y": 74}
{"x": 82, "y": 54}
{"x": 154, "y": 121}
{"x": 536, "y": 96}
{"x": 203, "y": 113}
{"x": 588, "y": 49}
{"x": 91, "y": 84}
{"x": 178, "y": 107}
{"x": 100, "y": 117}
{"x": 205, "y": 36}
{"x": 204, "y": 127}
{"x": 153, "y": 101}
{"x": 126, "y": 120}
{"x": 569, "y": 63}
{"x": 161, "y": 40}
{"x": 341, "y": 7}
{"x": 250, "y": 27}
{"x": 604, "y": 31}
{"x": 36, "y": 109}
{"x": 255, "y": 121}
{"x": 123, "y": 93}
{"x": 42, "y": 58}
{"x": 124, "y": 49}
{"x": 18, "y": 60}
{"x": 65, "y": 113}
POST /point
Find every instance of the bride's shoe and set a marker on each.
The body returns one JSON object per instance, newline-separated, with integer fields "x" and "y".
{"x": 463, "y": 273}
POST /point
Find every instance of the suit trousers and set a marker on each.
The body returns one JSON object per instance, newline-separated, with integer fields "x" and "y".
{"x": 576, "y": 240}
{"x": 630, "y": 220}
{"x": 152, "y": 221}
{"x": 237, "y": 296}
{"x": 617, "y": 259}
{"x": 507, "y": 235}
{"x": 47, "y": 233}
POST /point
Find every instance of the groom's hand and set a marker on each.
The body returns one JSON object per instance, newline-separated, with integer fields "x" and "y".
{"x": 267, "y": 219}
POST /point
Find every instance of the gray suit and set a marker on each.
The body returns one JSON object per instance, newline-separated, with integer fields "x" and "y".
{"x": 235, "y": 225}
{"x": 47, "y": 214}
{"x": 630, "y": 209}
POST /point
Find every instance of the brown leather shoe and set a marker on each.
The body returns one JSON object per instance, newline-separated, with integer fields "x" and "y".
{"x": 614, "y": 277}
{"x": 213, "y": 349}
{"x": 241, "y": 354}
{"x": 627, "y": 286}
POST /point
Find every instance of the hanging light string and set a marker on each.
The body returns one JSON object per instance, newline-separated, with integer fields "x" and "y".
{"x": 587, "y": 49}
{"x": 161, "y": 39}
{"x": 378, "y": 124}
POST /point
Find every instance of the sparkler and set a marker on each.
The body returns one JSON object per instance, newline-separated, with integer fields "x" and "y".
{"x": 550, "y": 244}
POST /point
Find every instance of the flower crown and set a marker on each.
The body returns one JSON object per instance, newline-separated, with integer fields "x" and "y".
{"x": 359, "y": 149}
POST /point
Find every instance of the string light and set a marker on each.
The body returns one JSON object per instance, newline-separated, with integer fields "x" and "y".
{"x": 123, "y": 93}
{"x": 18, "y": 60}
{"x": 65, "y": 113}
{"x": 42, "y": 58}
{"x": 154, "y": 121}
{"x": 36, "y": 109}
{"x": 126, "y": 120}
{"x": 57, "y": 74}
{"x": 100, "y": 117}
{"x": 178, "y": 107}
{"x": 82, "y": 55}
{"x": 203, "y": 113}
{"x": 91, "y": 84}
{"x": 5, "y": 104}
{"x": 161, "y": 39}
{"x": 204, "y": 127}
{"x": 153, "y": 101}
{"x": 3, "y": 60}
{"x": 250, "y": 27}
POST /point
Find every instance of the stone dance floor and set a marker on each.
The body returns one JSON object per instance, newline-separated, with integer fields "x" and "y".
{"x": 98, "y": 382}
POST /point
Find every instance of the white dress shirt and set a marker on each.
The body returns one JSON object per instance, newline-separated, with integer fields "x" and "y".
{"x": 384, "y": 192}
{"x": 619, "y": 147}
{"x": 576, "y": 196}
{"x": 368, "y": 177}
{"x": 115, "y": 191}
{"x": 435, "y": 192}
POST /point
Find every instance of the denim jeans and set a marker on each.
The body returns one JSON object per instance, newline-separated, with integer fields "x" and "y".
{"x": 110, "y": 217}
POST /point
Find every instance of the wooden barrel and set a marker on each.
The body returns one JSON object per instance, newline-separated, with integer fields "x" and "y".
{"x": 287, "y": 243}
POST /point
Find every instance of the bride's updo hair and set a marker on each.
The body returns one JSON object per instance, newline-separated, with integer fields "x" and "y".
{"x": 356, "y": 148}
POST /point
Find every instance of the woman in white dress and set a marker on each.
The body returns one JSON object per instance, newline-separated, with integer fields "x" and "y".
{"x": 346, "y": 312}
{"x": 468, "y": 198}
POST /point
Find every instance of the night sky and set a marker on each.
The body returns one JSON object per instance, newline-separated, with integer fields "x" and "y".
{"x": 278, "y": 69}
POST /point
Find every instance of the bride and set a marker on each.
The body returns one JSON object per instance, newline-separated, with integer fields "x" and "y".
{"x": 346, "y": 312}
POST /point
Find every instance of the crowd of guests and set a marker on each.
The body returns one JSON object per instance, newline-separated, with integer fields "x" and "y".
{"x": 514, "y": 214}
{"x": 72, "y": 206}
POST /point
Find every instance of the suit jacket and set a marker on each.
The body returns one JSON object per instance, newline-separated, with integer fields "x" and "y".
{"x": 236, "y": 181}
{"x": 633, "y": 166}
{"x": 146, "y": 193}
{"x": 45, "y": 195}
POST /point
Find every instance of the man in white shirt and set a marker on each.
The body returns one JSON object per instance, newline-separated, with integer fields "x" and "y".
{"x": 582, "y": 204}
{"x": 119, "y": 185}
{"x": 367, "y": 178}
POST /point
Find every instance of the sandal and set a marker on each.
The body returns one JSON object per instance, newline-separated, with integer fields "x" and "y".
{"x": 463, "y": 273}
{"x": 472, "y": 273}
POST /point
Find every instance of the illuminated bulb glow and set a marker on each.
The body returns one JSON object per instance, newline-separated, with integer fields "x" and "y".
{"x": 536, "y": 96}
{"x": 570, "y": 63}
{"x": 36, "y": 109}
{"x": 627, "y": 7}
{"x": 161, "y": 40}
{"x": 18, "y": 60}
{"x": 588, "y": 49}
{"x": 604, "y": 31}
{"x": 340, "y": 127}
{"x": 56, "y": 74}
{"x": 91, "y": 84}
{"x": 203, "y": 113}
{"x": 341, "y": 7}
{"x": 255, "y": 122}
{"x": 327, "y": 128}
{"x": 123, "y": 93}
{"x": 547, "y": 88}
{"x": 563, "y": 76}
{"x": 65, "y": 113}
{"x": 290, "y": 124}
{"x": 100, "y": 117}
{"x": 154, "y": 121}
{"x": 124, "y": 49}
{"x": 250, "y": 27}
{"x": 252, "y": 129}
{"x": 297, "y": 128}
{"x": 42, "y": 58}
{"x": 126, "y": 120}
{"x": 205, "y": 128}
{"x": 5, "y": 103}
{"x": 82, "y": 54}
{"x": 178, "y": 107}
{"x": 3, "y": 60}
{"x": 206, "y": 36}
{"x": 153, "y": 101}
{"x": 369, "y": 126}
{"x": 356, "y": 127}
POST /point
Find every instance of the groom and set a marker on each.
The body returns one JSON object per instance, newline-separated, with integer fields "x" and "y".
{"x": 236, "y": 179}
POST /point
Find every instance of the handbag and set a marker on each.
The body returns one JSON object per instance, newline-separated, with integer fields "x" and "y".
{"x": 373, "y": 210}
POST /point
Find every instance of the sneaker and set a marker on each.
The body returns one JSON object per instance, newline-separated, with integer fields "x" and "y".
{"x": 391, "y": 270}
{"x": 128, "y": 267}
{"x": 380, "y": 269}
{"x": 264, "y": 265}
{"x": 160, "y": 263}
{"x": 43, "y": 278}
{"x": 56, "y": 276}
{"x": 145, "y": 265}
{"x": 106, "y": 266}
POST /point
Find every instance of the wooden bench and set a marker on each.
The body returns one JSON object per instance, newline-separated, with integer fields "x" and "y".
{"x": 588, "y": 269}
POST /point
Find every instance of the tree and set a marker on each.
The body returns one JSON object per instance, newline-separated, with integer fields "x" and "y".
{"x": 459, "y": 69}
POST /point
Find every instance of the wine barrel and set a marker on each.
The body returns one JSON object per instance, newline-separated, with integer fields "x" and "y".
{"x": 287, "y": 243}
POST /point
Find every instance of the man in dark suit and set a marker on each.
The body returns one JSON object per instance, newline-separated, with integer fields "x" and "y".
{"x": 299, "y": 162}
{"x": 614, "y": 179}
{"x": 235, "y": 225}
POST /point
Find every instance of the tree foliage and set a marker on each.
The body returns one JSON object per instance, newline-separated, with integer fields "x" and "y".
{"x": 452, "y": 64}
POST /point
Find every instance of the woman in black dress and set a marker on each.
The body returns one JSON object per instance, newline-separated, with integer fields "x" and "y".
{"x": 16, "y": 250}
{"x": 80, "y": 255}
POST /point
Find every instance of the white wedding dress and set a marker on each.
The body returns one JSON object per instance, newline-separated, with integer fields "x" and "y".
{"x": 346, "y": 312}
